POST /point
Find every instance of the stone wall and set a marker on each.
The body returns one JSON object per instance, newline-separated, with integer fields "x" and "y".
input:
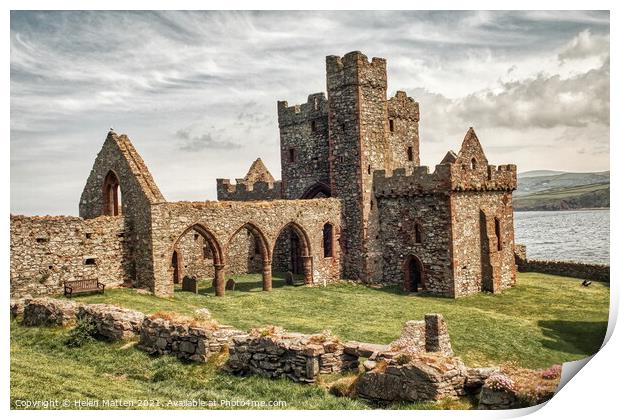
{"x": 398, "y": 218}
{"x": 50, "y": 312}
{"x": 137, "y": 191}
{"x": 482, "y": 261}
{"x": 595, "y": 272}
{"x": 46, "y": 251}
{"x": 219, "y": 221}
{"x": 275, "y": 353}
{"x": 304, "y": 146}
{"x": 185, "y": 338}
{"x": 112, "y": 323}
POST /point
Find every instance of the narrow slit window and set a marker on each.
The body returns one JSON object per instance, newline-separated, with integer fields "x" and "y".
{"x": 391, "y": 125}
{"x": 498, "y": 233}
{"x": 410, "y": 153}
{"x": 291, "y": 155}
{"x": 313, "y": 126}
{"x": 328, "y": 232}
{"x": 418, "y": 233}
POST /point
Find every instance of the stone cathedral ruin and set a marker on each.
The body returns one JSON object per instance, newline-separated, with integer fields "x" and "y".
{"x": 353, "y": 203}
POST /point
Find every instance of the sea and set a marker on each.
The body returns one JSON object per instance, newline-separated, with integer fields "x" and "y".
{"x": 568, "y": 235}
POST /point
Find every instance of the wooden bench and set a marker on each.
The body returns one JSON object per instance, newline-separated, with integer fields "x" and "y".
{"x": 82, "y": 286}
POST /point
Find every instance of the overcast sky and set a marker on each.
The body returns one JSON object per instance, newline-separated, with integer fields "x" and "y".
{"x": 196, "y": 92}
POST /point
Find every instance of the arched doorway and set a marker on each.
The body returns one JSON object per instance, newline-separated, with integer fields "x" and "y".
{"x": 414, "y": 274}
{"x": 111, "y": 195}
{"x": 197, "y": 252}
{"x": 291, "y": 252}
{"x": 247, "y": 252}
{"x": 318, "y": 190}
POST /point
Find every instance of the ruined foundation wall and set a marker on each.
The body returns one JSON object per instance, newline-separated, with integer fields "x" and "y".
{"x": 48, "y": 250}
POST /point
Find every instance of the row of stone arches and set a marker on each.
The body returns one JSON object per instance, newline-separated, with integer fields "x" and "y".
{"x": 260, "y": 253}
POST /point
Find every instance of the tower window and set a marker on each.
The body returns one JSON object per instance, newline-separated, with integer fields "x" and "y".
{"x": 498, "y": 233}
{"x": 418, "y": 233}
{"x": 369, "y": 169}
{"x": 474, "y": 164}
{"x": 410, "y": 154}
{"x": 313, "y": 126}
{"x": 391, "y": 125}
{"x": 90, "y": 261}
{"x": 328, "y": 232}
{"x": 291, "y": 155}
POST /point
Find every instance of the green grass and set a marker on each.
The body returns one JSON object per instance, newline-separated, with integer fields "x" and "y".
{"x": 543, "y": 321}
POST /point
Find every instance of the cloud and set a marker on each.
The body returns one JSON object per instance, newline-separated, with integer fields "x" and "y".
{"x": 585, "y": 45}
{"x": 545, "y": 101}
{"x": 203, "y": 142}
{"x": 74, "y": 75}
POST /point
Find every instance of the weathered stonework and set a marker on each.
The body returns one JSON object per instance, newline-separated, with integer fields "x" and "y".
{"x": 46, "y": 251}
{"x": 579, "y": 270}
{"x": 278, "y": 354}
{"x": 428, "y": 336}
{"x": 112, "y": 322}
{"x": 50, "y": 312}
{"x": 194, "y": 340}
{"x": 378, "y": 216}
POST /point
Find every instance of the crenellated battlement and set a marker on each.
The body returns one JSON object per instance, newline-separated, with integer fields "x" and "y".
{"x": 486, "y": 178}
{"x": 403, "y": 107}
{"x": 406, "y": 183}
{"x": 446, "y": 178}
{"x": 314, "y": 108}
{"x": 355, "y": 69}
{"x": 243, "y": 190}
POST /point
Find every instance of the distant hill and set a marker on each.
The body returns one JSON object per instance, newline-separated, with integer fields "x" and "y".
{"x": 555, "y": 190}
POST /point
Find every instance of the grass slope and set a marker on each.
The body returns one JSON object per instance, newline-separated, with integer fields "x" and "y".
{"x": 585, "y": 196}
{"x": 544, "y": 320}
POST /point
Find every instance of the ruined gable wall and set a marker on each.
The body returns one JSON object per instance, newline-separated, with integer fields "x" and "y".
{"x": 224, "y": 218}
{"x": 48, "y": 250}
{"x": 304, "y": 129}
{"x": 192, "y": 259}
{"x": 138, "y": 191}
{"x": 474, "y": 242}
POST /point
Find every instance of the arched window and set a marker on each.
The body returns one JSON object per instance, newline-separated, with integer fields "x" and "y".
{"x": 498, "y": 234}
{"x": 474, "y": 163}
{"x": 418, "y": 233}
{"x": 111, "y": 195}
{"x": 328, "y": 240}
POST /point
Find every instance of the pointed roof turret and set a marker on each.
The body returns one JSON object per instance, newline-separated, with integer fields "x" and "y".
{"x": 258, "y": 172}
{"x": 450, "y": 157}
{"x": 471, "y": 149}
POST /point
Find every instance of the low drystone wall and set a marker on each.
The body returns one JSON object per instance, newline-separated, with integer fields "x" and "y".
{"x": 584, "y": 271}
{"x": 184, "y": 337}
{"x": 274, "y": 353}
{"x": 112, "y": 322}
{"x": 50, "y": 312}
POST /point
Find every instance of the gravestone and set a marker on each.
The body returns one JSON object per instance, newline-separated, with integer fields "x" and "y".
{"x": 190, "y": 284}
{"x": 230, "y": 285}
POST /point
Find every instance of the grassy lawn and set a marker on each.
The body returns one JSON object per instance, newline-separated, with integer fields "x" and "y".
{"x": 543, "y": 321}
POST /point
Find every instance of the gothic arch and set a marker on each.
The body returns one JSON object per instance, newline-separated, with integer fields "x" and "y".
{"x": 414, "y": 275}
{"x": 111, "y": 191}
{"x": 265, "y": 251}
{"x": 216, "y": 251}
{"x": 304, "y": 249}
{"x": 316, "y": 189}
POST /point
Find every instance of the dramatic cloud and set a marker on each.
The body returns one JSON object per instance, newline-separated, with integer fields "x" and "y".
{"x": 197, "y": 91}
